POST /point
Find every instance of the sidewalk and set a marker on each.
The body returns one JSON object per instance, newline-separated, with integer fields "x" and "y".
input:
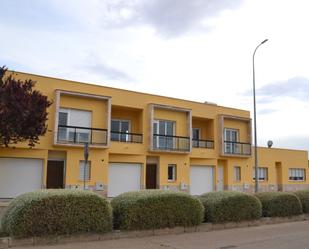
{"x": 279, "y": 236}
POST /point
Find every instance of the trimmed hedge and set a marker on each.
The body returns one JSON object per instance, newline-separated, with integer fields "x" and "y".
{"x": 279, "y": 204}
{"x": 152, "y": 209}
{"x": 225, "y": 206}
{"x": 303, "y": 196}
{"x": 53, "y": 212}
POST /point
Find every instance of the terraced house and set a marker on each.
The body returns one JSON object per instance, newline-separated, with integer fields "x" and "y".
{"x": 143, "y": 141}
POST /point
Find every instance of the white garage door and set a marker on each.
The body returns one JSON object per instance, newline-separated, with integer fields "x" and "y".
{"x": 18, "y": 176}
{"x": 123, "y": 177}
{"x": 201, "y": 179}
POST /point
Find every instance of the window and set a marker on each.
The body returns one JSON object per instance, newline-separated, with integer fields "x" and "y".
{"x": 163, "y": 131}
{"x": 237, "y": 173}
{"x": 84, "y": 171}
{"x": 262, "y": 173}
{"x": 77, "y": 118}
{"x": 297, "y": 174}
{"x": 171, "y": 174}
{"x": 196, "y": 136}
{"x": 120, "y": 130}
{"x": 231, "y": 136}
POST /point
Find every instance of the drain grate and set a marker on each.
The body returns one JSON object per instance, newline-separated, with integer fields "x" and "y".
{"x": 228, "y": 247}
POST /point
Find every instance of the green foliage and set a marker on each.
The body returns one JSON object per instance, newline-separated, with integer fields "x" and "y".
{"x": 52, "y": 212}
{"x": 225, "y": 206}
{"x": 23, "y": 111}
{"x": 303, "y": 196}
{"x": 152, "y": 209}
{"x": 279, "y": 204}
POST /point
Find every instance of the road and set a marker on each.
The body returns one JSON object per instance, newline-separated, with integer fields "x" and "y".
{"x": 294, "y": 235}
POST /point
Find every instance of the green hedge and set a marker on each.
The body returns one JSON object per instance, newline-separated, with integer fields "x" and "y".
{"x": 50, "y": 212}
{"x": 303, "y": 196}
{"x": 279, "y": 204}
{"x": 225, "y": 206}
{"x": 151, "y": 209}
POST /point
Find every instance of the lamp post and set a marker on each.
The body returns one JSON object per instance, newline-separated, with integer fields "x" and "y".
{"x": 255, "y": 132}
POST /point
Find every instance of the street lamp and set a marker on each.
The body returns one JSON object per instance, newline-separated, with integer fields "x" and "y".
{"x": 255, "y": 133}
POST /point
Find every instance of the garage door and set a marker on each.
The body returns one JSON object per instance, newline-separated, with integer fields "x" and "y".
{"x": 18, "y": 176}
{"x": 201, "y": 179}
{"x": 123, "y": 177}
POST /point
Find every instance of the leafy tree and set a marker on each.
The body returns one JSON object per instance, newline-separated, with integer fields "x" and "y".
{"x": 23, "y": 113}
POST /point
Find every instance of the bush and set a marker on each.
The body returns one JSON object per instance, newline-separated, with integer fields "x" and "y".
{"x": 151, "y": 209}
{"x": 303, "y": 196}
{"x": 279, "y": 204}
{"x": 51, "y": 212}
{"x": 225, "y": 206}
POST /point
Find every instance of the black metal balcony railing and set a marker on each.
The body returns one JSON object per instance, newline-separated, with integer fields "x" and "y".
{"x": 126, "y": 137}
{"x": 171, "y": 143}
{"x": 237, "y": 148}
{"x": 199, "y": 143}
{"x": 78, "y": 135}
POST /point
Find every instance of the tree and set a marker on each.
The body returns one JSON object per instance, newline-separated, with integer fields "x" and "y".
{"x": 23, "y": 111}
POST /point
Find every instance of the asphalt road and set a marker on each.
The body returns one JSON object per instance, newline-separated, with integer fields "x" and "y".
{"x": 294, "y": 235}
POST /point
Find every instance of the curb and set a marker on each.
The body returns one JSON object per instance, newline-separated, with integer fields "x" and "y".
{"x": 7, "y": 242}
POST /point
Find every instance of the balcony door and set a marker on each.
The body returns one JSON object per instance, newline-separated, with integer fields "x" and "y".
{"x": 120, "y": 130}
{"x": 74, "y": 125}
{"x": 231, "y": 137}
{"x": 163, "y": 131}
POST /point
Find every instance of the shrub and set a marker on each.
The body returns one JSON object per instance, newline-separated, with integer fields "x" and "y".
{"x": 227, "y": 206}
{"x": 303, "y": 196}
{"x": 51, "y": 212}
{"x": 151, "y": 209}
{"x": 279, "y": 204}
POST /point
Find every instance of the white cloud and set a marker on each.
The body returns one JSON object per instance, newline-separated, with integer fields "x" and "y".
{"x": 207, "y": 56}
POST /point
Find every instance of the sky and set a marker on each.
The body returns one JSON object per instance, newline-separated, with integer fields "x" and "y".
{"x": 199, "y": 50}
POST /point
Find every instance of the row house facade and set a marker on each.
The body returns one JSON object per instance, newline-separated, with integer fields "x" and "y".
{"x": 143, "y": 141}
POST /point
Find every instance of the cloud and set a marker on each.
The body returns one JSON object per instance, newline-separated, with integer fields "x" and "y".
{"x": 175, "y": 17}
{"x": 94, "y": 64}
{"x": 266, "y": 111}
{"x": 168, "y": 18}
{"x": 296, "y": 88}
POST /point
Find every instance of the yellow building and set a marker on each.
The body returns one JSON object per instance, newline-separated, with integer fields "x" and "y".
{"x": 139, "y": 141}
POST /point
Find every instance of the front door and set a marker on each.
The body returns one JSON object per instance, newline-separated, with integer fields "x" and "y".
{"x": 151, "y": 176}
{"x": 55, "y": 174}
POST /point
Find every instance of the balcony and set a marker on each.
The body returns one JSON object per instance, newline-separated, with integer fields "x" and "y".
{"x": 237, "y": 148}
{"x": 199, "y": 143}
{"x": 126, "y": 137}
{"x": 80, "y": 135}
{"x": 171, "y": 143}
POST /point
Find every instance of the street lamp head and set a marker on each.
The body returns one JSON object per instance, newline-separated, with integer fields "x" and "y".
{"x": 264, "y": 41}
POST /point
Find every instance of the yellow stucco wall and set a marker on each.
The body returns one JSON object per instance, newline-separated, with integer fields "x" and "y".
{"x": 133, "y": 106}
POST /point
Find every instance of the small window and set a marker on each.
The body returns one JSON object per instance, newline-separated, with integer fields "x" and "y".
{"x": 171, "y": 174}
{"x": 237, "y": 173}
{"x": 262, "y": 173}
{"x": 84, "y": 171}
{"x": 297, "y": 174}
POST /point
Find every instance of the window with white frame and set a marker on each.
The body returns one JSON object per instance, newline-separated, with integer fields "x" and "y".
{"x": 237, "y": 173}
{"x": 231, "y": 137}
{"x": 120, "y": 130}
{"x": 84, "y": 171}
{"x": 171, "y": 172}
{"x": 262, "y": 173}
{"x": 297, "y": 174}
{"x": 74, "y": 125}
{"x": 163, "y": 131}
